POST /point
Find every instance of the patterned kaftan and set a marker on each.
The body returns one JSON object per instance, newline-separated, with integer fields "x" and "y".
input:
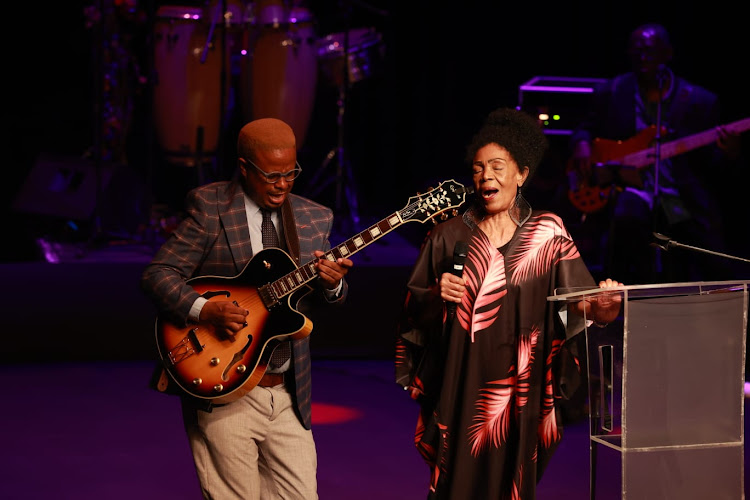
{"x": 487, "y": 383}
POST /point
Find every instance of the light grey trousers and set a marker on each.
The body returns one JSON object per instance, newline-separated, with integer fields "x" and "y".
{"x": 254, "y": 448}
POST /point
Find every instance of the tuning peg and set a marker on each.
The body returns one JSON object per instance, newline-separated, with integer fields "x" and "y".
{"x": 454, "y": 212}
{"x": 434, "y": 220}
{"x": 444, "y": 216}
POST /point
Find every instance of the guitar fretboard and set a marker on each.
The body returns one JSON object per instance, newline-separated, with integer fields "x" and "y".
{"x": 305, "y": 273}
{"x": 645, "y": 158}
{"x": 421, "y": 209}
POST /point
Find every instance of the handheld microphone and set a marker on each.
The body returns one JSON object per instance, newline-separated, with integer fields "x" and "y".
{"x": 459, "y": 258}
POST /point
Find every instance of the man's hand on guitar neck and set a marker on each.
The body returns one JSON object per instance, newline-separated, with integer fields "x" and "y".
{"x": 331, "y": 272}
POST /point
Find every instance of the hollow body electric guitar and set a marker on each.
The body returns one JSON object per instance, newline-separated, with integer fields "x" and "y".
{"x": 208, "y": 366}
{"x": 630, "y": 157}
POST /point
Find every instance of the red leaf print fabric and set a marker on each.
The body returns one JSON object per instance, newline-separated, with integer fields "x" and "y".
{"x": 548, "y": 429}
{"x": 493, "y": 415}
{"x": 485, "y": 286}
{"x": 493, "y": 405}
{"x": 544, "y": 244}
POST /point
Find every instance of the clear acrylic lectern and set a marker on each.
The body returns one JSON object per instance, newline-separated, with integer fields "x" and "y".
{"x": 666, "y": 391}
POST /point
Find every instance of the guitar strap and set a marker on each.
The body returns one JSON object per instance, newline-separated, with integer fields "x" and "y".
{"x": 161, "y": 382}
{"x": 289, "y": 228}
{"x": 283, "y": 351}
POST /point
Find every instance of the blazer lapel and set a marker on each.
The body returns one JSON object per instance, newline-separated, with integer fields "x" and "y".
{"x": 234, "y": 220}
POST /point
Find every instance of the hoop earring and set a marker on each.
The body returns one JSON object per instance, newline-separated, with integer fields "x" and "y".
{"x": 520, "y": 211}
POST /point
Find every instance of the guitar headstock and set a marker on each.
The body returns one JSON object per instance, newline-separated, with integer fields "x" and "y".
{"x": 423, "y": 207}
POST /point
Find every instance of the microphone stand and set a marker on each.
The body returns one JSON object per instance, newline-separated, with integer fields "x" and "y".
{"x": 657, "y": 138}
{"x": 660, "y": 79}
{"x": 665, "y": 243}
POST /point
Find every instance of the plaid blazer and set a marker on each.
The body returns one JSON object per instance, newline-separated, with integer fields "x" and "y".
{"x": 213, "y": 240}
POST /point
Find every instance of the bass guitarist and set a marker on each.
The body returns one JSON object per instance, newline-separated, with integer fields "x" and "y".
{"x": 259, "y": 445}
{"x": 675, "y": 196}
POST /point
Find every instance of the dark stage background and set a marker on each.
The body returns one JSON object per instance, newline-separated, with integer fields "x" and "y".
{"x": 442, "y": 69}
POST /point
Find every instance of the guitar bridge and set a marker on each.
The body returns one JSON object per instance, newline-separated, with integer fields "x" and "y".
{"x": 268, "y": 296}
{"x": 185, "y": 348}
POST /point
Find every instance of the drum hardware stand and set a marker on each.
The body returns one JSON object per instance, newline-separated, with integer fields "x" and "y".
{"x": 150, "y": 229}
{"x": 344, "y": 177}
{"x": 98, "y": 117}
{"x": 200, "y": 176}
{"x": 218, "y": 165}
{"x": 345, "y": 184}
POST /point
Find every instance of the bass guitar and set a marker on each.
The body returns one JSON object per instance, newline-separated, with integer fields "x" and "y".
{"x": 210, "y": 367}
{"x": 631, "y": 156}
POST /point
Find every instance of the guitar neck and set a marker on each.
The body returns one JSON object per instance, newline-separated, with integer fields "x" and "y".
{"x": 448, "y": 195}
{"x": 305, "y": 273}
{"x": 647, "y": 157}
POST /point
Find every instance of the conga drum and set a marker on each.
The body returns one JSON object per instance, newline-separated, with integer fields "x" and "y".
{"x": 187, "y": 85}
{"x": 284, "y": 67}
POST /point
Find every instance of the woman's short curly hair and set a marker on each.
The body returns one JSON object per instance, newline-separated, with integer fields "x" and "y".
{"x": 516, "y": 131}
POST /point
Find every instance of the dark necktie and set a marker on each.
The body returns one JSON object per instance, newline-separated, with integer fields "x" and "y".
{"x": 271, "y": 239}
{"x": 268, "y": 230}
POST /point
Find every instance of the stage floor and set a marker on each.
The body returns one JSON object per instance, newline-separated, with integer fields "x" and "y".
{"x": 93, "y": 430}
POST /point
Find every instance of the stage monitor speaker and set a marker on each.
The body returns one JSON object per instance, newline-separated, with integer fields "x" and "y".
{"x": 69, "y": 187}
{"x": 62, "y": 186}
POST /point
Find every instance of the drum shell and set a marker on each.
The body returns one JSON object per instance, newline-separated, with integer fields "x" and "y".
{"x": 281, "y": 74}
{"x": 187, "y": 85}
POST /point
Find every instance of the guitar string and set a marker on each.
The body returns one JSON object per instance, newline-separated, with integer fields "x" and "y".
{"x": 251, "y": 299}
